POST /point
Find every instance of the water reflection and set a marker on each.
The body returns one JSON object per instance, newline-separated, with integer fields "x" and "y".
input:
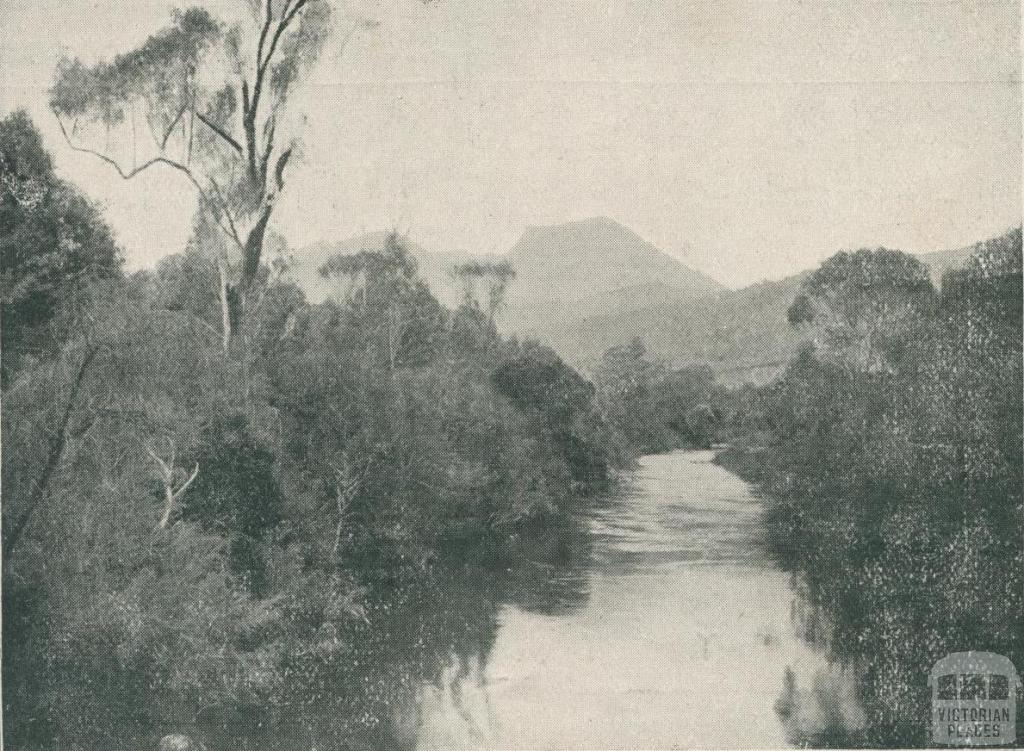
{"x": 677, "y": 510}
{"x": 822, "y": 711}
{"x": 421, "y": 653}
{"x": 684, "y": 638}
{"x": 658, "y": 621}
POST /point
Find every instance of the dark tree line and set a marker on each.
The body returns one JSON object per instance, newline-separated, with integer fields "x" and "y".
{"x": 53, "y": 242}
{"x": 655, "y": 408}
{"x": 891, "y": 453}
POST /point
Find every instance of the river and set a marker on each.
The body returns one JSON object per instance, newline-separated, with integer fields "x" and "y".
{"x": 684, "y": 640}
{"x": 662, "y": 625}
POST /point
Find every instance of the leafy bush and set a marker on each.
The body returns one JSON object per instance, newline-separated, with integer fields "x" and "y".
{"x": 894, "y": 482}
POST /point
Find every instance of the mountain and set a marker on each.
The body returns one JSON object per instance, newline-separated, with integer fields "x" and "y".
{"x": 585, "y": 286}
{"x": 581, "y": 268}
{"x": 743, "y": 334}
{"x": 592, "y": 266}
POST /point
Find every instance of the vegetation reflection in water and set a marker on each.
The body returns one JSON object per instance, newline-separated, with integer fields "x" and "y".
{"x": 646, "y": 622}
{"x": 425, "y": 633}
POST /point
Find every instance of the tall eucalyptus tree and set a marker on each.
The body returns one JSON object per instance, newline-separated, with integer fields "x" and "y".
{"x": 207, "y": 98}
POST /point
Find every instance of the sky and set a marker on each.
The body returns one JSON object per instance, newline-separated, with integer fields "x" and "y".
{"x": 748, "y": 138}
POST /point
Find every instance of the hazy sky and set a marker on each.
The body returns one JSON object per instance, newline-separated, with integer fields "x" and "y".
{"x": 749, "y": 138}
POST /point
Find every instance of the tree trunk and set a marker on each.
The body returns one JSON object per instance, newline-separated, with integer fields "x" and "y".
{"x": 225, "y": 306}
{"x": 56, "y": 452}
{"x": 253, "y": 251}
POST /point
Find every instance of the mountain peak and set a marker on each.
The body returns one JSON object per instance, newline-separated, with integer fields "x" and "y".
{"x": 596, "y": 255}
{"x": 596, "y": 225}
{"x": 590, "y": 264}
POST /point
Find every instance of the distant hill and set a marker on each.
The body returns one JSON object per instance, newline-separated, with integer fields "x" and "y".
{"x": 585, "y": 286}
{"x": 583, "y": 268}
{"x": 743, "y": 335}
{"x": 592, "y": 266}
{"x": 942, "y": 260}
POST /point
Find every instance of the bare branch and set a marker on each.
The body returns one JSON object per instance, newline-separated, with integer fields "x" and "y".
{"x": 170, "y": 128}
{"x": 282, "y": 162}
{"x": 177, "y": 118}
{"x": 54, "y": 455}
{"x": 180, "y": 491}
{"x": 287, "y": 16}
{"x": 171, "y": 496}
{"x": 191, "y": 131}
{"x": 231, "y": 231}
{"x": 165, "y": 470}
{"x": 225, "y": 306}
{"x": 129, "y": 174}
{"x": 264, "y": 31}
{"x": 345, "y": 488}
{"x": 219, "y": 131}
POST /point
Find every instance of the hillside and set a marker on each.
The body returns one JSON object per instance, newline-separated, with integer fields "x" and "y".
{"x": 585, "y": 286}
{"x": 577, "y": 270}
{"x": 593, "y": 266}
{"x": 941, "y": 261}
{"x": 743, "y": 334}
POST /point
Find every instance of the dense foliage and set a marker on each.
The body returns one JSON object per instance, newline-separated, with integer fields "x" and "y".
{"x": 190, "y": 532}
{"x": 655, "y": 408}
{"x": 52, "y": 242}
{"x": 891, "y": 456}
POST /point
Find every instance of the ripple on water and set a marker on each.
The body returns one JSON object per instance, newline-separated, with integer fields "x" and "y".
{"x": 678, "y": 509}
{"x": 684, "y": 641}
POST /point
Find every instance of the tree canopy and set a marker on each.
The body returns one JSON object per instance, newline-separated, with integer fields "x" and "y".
{"x": 53, "y": 241}
{"x": 212, "y": 96}
{"x": 860, "y": 304}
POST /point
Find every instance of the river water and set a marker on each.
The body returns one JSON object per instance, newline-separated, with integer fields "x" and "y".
{"x": 684, "y": 638}
{"x": 660, "y": 623}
